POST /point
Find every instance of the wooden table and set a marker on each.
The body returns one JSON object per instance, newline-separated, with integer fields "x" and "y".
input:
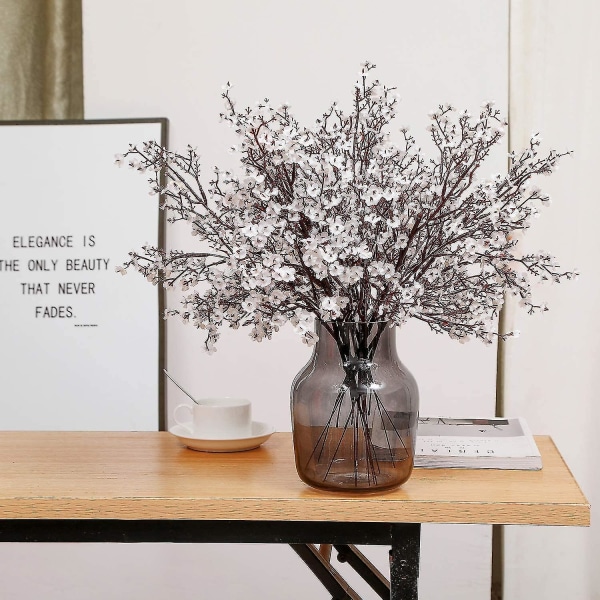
{"x": 146, "y": 487}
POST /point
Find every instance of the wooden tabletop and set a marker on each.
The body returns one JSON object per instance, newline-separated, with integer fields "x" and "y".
{"x": 98, "y": 475}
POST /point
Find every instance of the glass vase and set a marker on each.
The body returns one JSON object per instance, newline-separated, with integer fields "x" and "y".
{"x": 354, "y": 410}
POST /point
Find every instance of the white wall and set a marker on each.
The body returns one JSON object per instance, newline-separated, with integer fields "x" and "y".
{"x": 146, "y": 58}
{"x": 308, "y": 53}
{"x": 314, "y": 49}
{"x": 552, "y": 372}
{"x": 170, "y": 59}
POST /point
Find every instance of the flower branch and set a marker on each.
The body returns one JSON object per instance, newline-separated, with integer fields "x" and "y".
{"x": 338, "y": 222}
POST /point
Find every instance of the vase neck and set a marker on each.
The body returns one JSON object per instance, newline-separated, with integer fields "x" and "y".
{"x": 355, "y": 340}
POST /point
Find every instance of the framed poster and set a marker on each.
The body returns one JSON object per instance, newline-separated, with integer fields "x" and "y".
{"x": 80, "y": 346}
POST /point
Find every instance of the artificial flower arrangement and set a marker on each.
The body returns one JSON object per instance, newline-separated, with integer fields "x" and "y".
{"x": 340, "y": 223}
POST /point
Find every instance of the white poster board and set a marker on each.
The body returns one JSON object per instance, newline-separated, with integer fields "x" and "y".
{"x": 79, "y": 344}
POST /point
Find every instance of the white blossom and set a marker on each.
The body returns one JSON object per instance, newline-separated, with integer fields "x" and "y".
{"x": 284, "y": 273}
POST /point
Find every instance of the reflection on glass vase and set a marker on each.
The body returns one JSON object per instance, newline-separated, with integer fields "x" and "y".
{"x": 354, "y": 410}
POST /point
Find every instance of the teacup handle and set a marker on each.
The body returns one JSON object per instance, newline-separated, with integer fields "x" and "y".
{"x": 188, "y": 423}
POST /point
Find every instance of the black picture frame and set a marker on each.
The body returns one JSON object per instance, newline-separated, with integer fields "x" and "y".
{"x": 163, "y": 122}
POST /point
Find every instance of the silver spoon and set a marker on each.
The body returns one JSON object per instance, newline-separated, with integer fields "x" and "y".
{"x": 186, "y": 393}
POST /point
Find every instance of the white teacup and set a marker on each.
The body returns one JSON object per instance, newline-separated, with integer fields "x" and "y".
{"x": 217, "y": 418}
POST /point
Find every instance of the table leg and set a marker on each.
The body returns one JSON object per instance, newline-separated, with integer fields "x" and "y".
{"x": 336, "y": 585}
{"x": 404, "y": 561}
{"x": 365, "y": 568}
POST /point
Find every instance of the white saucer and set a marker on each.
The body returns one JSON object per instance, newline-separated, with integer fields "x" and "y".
{"x": 261, "y": 432}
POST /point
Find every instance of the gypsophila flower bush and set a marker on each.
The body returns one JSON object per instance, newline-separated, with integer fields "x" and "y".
{"x": 338, "y": 222}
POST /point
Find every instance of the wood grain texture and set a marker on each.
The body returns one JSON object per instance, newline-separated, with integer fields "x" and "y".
{"x": 150, "y": 475}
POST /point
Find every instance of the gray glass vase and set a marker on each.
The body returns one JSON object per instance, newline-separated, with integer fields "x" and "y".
{"x": 354, "y": 410}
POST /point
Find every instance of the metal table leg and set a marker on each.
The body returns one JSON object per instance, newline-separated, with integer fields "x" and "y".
{"x": 405, "y": 540}
{"x": 404, "y": 561}
{"x": 350, "y": 554}
{"x": 326, "y": 574}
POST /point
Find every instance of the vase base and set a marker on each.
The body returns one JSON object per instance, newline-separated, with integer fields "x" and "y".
{"x": 359, "y": 484}
{"x": 344, "y": 460}
{"x": 344, "y": 486}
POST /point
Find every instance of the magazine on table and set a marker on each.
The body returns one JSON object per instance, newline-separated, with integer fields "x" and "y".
{"x": 496, "y": 443}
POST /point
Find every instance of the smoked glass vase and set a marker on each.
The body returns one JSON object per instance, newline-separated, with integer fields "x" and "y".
{"x": 354, "y": 410}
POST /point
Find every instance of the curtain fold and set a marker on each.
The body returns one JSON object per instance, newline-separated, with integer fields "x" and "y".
{"x": 41, "y": 66}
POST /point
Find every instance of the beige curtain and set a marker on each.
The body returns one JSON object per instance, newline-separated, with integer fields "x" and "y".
{"x": 41, "y": 71}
